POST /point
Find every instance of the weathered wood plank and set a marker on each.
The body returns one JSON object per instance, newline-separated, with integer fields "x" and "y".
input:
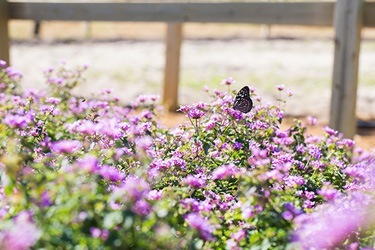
{"x": 348, "y": 24}
{"x": 4, "y": 35}
{"x": 369, "y": 14}
{"x": 297, "y": 13}
{"x": 172, "y": 66}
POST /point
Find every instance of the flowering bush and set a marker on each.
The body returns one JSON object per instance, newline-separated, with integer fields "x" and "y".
{"x": 99, "y": 175}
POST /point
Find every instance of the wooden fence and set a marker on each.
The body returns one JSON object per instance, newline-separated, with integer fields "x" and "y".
{"x": 347, "y": 16}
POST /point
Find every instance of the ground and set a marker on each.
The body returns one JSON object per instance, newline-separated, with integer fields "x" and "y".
{"x": 129, "y": 58}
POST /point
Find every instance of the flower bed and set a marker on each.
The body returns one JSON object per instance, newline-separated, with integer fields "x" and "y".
{"x": 92, "y": 173}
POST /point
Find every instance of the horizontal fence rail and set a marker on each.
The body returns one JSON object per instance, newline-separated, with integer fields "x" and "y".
{"x": 300, "y": 13}
{"x": 285, "y": 13}
{"x": 347, "y": 17}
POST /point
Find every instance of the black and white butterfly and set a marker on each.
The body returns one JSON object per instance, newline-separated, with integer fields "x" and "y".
{"x": 243, "y": 102}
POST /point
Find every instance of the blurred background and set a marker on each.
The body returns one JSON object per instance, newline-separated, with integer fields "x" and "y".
{"x": 129, "y": 58}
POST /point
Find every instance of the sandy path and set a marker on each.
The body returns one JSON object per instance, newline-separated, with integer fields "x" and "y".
{"x": 132, "y": 68}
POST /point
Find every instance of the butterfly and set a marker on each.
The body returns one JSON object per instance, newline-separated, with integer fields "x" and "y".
{"x": 243, "y": 102}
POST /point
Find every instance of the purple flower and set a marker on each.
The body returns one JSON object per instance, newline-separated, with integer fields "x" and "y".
{"x": 95, "y": 232}
{"x": 111, "y": 173}
{"x": 22, "y": 235}
{"x": 228, "y": 81}
{"x": 347, "y": 143}
{"x": 287, "y": 215}
{"x": 111, "y": 128}
{"x": 225, "y": 171}
{"x": 53, "y": 100}
{"x": 154, "y": 195}
{"x": 178, "y": 162}
{"x": 210, "y": 125}
{"x": 86, "y": 127}
{"x": 237, "y": 146}
{"x": 195, "y": 113}
{"x": 314, "y": 151}
{"x": 144, "y": 142}
{"x": 205, "y": 229}
{"x": 154, "y": 97}
{"x": 45, "y": 199}
{"x": 236, "y": 114}
{"x": 56, "y": 80}
{"x": 331, "y": 224}
{"x": 194, "y": 182}
{"x": 160, "y": 164}
{"x": 330, "y": 131}
{"x": 18, "y": 121}
{"x": 133, "y": 188}
{"x": 280, "y": 87}
{"x": 190, "y": 204}
{"x": 2, "y": 63}
{"x": 141, "y": 207}
{"x": 142, "y": 98}
{"x": 13, "y": 73}
{"x": 89, "y": 164}
{"x": 294, "y": 181}
{"x": 66, "y": 146}
{"x": 329, "y": 194}
{"x": 280, "y": 113}
{"x": 99, "y": 233}
{"x": 312, "y": 120}
{"x": 238, "y": 236}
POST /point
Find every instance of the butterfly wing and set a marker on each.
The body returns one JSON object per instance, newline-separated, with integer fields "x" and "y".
{"x": 243, "y": 102}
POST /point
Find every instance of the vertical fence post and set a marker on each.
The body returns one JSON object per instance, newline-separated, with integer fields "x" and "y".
{"x": 348, "y": 23}
{"x": 4, "y": 35}
{"x": 172, "y": 66}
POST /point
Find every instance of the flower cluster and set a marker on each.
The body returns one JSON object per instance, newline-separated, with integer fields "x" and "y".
{"x": 92, "y": 173}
